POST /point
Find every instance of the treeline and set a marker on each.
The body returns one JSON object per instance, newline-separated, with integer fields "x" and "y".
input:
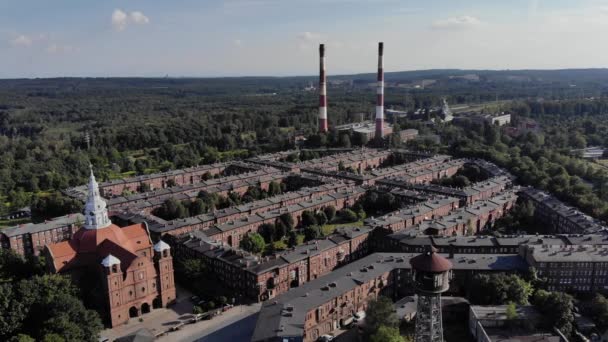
{"x": 41, "y": 307}
{"x": 535, "y": 163}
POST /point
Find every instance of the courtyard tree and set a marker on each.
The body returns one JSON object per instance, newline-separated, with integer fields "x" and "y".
{"x": 386, "y": 334}
{"x": 253, "y": 242}
{"x": 380, "y": 313}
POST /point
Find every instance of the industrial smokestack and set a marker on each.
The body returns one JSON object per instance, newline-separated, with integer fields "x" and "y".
{"x": 322, "y": 91}
{"x": 380, "y": 93}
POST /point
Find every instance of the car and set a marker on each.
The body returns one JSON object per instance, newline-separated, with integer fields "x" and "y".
{"x": 359, "y": 316}
{"x": 194, "y": 299}
{"x": 325, "y": 338}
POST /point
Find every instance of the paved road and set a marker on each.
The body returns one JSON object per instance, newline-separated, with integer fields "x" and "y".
{"x": 241, "y": 330}
{"x": 238, "y": 322}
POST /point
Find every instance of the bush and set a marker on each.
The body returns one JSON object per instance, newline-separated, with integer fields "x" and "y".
{"x": 209, "y": 306}
{"x": 312, "y": 232}
{"x": 330, "y": 212}
{"x": 253, "y": 243}
{"x": 267, "y": 230}
{"x": 308, "y": 218}
{"x": 321, "y": 218}
{"x": 348, "y": 215}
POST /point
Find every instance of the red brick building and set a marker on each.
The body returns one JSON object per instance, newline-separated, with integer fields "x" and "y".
{"x": 261, "y": 279}
{"x": 135, "y": 276}
{"x": 30, "y": 238}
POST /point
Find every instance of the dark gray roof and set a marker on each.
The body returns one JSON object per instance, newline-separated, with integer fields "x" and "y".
{"x": 29, "y": 228}
{"x": 273, "y": 323}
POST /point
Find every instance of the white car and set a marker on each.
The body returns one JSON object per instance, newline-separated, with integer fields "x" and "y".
{"x": 359, "y": 316}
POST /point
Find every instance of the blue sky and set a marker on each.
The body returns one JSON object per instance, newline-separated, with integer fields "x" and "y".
{"x": 45, "y": 38}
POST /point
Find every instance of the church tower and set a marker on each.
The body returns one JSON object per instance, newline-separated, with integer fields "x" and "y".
{"x": 164, "y": 264}
{"x": 95, "y": 211}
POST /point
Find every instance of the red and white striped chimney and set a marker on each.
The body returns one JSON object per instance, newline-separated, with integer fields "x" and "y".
{"x": 380, "y": 93}
{"x": 322, "y": 91}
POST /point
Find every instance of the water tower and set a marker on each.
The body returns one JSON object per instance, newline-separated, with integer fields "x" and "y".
{"x": 431, "y": 274}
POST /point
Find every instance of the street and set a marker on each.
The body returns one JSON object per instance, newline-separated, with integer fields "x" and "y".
{"x": 236, "y": 324}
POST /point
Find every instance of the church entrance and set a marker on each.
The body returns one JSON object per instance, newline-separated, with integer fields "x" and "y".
{"x": 145, "y": 308}
{"x": 157, "y": 303}
{"x": 133, "y": 312}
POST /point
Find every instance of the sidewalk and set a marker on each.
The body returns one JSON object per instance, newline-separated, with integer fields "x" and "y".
{"x": 158, "y": 320}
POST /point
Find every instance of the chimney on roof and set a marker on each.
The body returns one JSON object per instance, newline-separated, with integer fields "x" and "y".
{"x": 322, "y": 91}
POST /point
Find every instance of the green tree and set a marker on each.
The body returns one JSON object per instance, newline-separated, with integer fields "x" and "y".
{"x": 312, "y": 232}
{"x": 172, "y": 209}
{"x": 12, "y": 312}
{"x": 52, "y": 302}
{"x": 330, "y": 212}
{"x": 292, "y": 239}
{"x": 22, "y": 338}
{"x": 498, "y": 289}
{"x": 253, "y": 243}
{"x": 345, "y": 140}
{"x": 599, "y": 310}
{"x": 197, "y": 207}
{"x": 347, "y": 215}
{"x": 321, "y": 218}
{"x": 191, "y": 269}
{"x": 386, "y": 334}
{"x": 12, "y": 266}
{"x": 287, "y": 219}
{"x": 511, "y": 311}
{"x": 268, "y": 232}
{"x": 380, "y": 312}
{"x": 557, "y": 310}
{"x": 308, "y": 218}
{"x": 45, "y": 207}
{"x": 274, "y": 188}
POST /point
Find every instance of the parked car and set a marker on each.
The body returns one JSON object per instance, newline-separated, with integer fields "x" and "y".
{"x": 359, "y": 316}
{"x": 325, "y": 338}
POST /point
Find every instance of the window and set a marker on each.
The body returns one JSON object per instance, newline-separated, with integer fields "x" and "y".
{"x": 143, "y": 289}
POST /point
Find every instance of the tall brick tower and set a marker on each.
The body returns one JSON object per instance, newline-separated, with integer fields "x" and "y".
{"x": 164, "y": 265}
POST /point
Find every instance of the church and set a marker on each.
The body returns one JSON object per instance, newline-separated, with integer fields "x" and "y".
{"x": 119, "y": 270}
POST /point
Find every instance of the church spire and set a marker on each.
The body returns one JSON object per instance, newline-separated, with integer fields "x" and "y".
{"x": 95, "y": 212}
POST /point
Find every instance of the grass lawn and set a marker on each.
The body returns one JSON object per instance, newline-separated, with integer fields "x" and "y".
{"x": 330, "y": 228}
{"x": 280, "y": 245}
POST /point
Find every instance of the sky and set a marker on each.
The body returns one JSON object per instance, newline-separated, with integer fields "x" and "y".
{"x": 209, "y": 38}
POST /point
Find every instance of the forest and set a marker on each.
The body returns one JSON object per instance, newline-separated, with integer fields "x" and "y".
{"x": 50, "y": 129}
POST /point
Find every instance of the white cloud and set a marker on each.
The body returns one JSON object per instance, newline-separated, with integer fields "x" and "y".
{"x": 22, "y": 40}
{"x": 461, "y": 22}
{"x": 120, "y": 19}
{"x": 138, "y": 18}
{"x": 309, "y": 37}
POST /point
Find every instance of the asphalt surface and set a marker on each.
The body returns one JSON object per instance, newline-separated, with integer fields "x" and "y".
{"x": 241, "y": 330}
